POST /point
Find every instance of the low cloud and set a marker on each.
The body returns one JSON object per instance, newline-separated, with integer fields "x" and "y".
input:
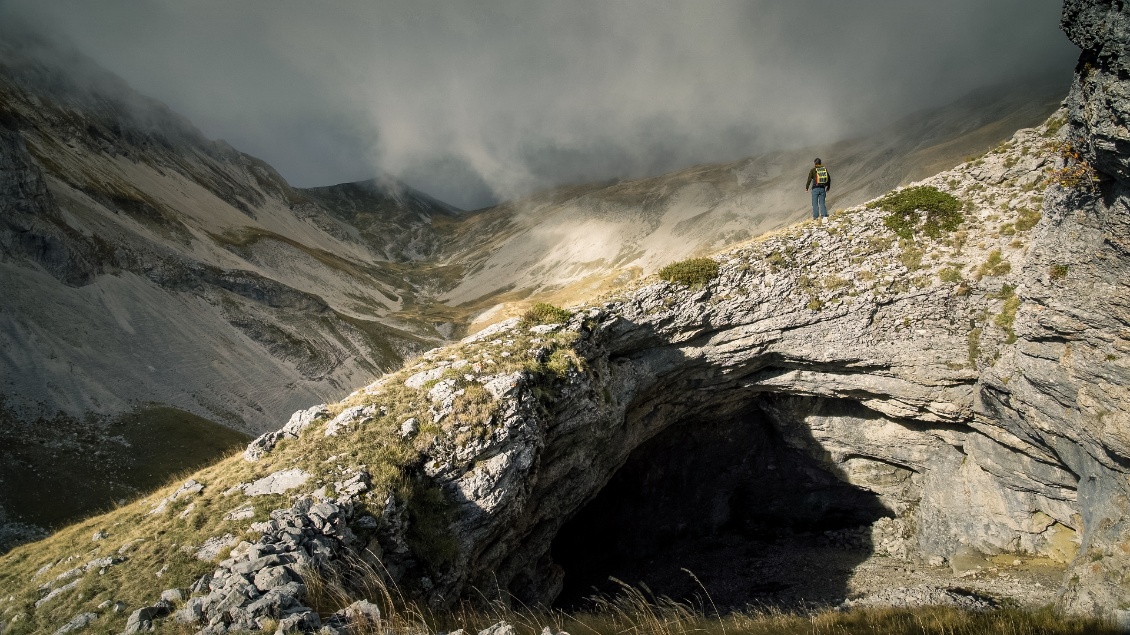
{"x": 484, "y": 101}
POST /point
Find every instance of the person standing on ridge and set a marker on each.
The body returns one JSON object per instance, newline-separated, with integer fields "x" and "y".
{"x": 820, "y": 181}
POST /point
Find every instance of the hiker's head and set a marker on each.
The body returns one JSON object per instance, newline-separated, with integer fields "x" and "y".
{"x": 817, "y": 161}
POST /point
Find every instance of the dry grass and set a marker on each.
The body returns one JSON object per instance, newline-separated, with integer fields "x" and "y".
{"x": 635, "y": 611}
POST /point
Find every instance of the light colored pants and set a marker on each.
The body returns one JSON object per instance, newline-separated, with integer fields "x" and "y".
{"x": 818, "y": 207}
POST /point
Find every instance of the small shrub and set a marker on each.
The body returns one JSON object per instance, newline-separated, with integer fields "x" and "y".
{"x": 995, "y": 265}
{"x": 1026, "y": 219}
{"x": 545, "y": 313}
{"x": 693, "y": 272}
{"x": 922, "y": 207}
{"x": 814, "y": 304}
{"x": 974, "y": 342}
{"x": 950, "y": 274}
{"x": 1007, "y": 316}
{"x": 1053, "y": 126}
{"x": 835, "y": 283}
{"x": 1057, "y": 272}
{"x": 562, "y": 361}
{"x": 1077, "y": 173}
{"x": 911, "y": 257}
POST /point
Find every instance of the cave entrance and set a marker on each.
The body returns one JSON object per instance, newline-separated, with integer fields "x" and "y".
{"x": 724, "y": 497}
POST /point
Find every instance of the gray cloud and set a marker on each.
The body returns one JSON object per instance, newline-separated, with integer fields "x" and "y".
{"x": 480, "y": 101}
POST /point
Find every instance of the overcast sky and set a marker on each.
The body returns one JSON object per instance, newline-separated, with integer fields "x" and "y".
{"x": 476, "y": 101}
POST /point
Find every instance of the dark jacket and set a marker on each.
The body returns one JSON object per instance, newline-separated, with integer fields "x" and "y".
{"x": 812, "y": 178}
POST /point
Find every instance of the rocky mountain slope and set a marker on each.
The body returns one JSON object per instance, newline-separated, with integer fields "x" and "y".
{"x": 158, "y": 285}
{"x": 136, "y": 251}
{"x": 952, "y": 396}
{"x": 572, "y": 243}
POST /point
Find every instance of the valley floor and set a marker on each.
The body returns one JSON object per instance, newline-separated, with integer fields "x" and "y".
{"x": 807, "y": 571}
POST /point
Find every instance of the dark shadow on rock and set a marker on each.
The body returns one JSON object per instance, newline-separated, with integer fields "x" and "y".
{"x": 722, "y": 496}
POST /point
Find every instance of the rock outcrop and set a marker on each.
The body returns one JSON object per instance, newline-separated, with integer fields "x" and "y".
{"x": 1063, "y": 387}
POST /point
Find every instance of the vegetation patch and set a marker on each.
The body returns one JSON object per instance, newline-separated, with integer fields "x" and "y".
{"x": 1057, "y": 272}
{"x": 951, "y": 275}
{"x": 1077, "y": 173}
{"x": 1053, "y": 125}
{"x": 545, "y": 313}
{"x": 920, "y": 208}
{"x": 994, "y": 265}
{"x": 693, "y": 272}
{"x": 974, "y": 342}
{"x": 1026, "y": 219}
{"x": 1007, "y": 316}
{"x": 911, "y": 256}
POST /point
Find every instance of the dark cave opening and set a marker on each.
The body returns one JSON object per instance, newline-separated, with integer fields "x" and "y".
{"x": 725, "y": 498}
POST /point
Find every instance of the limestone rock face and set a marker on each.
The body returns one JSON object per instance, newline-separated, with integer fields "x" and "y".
{"x": 1100, "y": 96}
{"x": 1064, "y": 386}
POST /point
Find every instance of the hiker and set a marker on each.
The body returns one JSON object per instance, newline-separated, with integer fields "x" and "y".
{"x": 821, "y": 182}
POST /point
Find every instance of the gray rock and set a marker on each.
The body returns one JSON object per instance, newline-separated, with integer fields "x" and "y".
{"x": 298, "y": 422}
{"x": 192, "y": 611}
{"x": 923, "y": 596}
{"x": 277, "y": 482}
{"x": 501, "y": 628}
{"x": 190, "y": 488}
{"x": 142, "y": 619}
{"x": 271, "y": 577}
{"x": 78, "y": 622}
{"x": 418, "y": 380}
{"x": 349, "y": 417}
{"x": 361, "y": 616}
{"x": 304, "y": 621}
{"x": 212, "y": 547}
{"x": 54, "y": 593}
{"x": 240, "y": 513}
{"x": 966, "y": 560}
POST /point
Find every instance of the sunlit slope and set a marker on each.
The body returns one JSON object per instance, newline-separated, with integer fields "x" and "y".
{"x": 145, "y": 263}
{"x": 573, "y": 242}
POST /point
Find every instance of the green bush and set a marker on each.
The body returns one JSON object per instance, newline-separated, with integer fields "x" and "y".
{"x": 545, "y": 313}
{"x": 934, "y": 210}
{"x": 694, "y": 272}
